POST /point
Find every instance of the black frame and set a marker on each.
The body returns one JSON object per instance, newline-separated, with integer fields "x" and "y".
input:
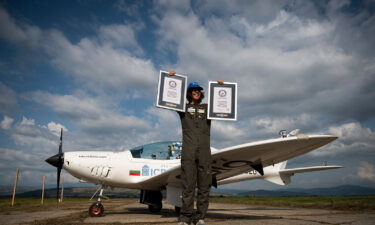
{"x": 170, "y": 105}
{"x": 222, "y": 116}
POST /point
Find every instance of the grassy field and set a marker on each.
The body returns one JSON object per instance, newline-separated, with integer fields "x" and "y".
{"x": 322, "y": 202}
{"x": 34, "y": 204}
{"x": 325, "y": 202}
{"x": 81, "y": 205}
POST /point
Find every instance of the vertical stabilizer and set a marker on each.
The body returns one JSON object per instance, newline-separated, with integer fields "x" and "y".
{"x": 277, "y": 177}
{"x": 282, "y": 165}
{"x": 277, "y": 167}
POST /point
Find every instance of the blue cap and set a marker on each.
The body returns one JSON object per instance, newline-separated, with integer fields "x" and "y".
{"x": 194, "y": 85}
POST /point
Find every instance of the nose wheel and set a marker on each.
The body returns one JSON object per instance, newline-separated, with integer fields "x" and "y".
{"x": 96, "y": 209}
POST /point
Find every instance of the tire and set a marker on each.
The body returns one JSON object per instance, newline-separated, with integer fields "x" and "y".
{"x": 155, "y": 208}
{"x": 96, "y": 210}
{"x": 177, "y": 210}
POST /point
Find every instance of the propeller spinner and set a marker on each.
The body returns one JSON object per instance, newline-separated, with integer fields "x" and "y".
{"x": 58, "y": 162}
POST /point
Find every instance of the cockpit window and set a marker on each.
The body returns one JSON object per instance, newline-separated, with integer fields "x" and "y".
{"x": 159, "y": 151}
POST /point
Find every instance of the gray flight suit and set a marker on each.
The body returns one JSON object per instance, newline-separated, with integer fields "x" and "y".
{"x": 195, "y": 161}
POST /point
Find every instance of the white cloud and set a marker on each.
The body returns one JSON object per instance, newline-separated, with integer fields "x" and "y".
{"x": 352, "y": 132}
{"x": 98, "y": 65}
{"x": 352, "y": 137}
{"x": 366, "y": 171}
{"x": 55, "y": 128}
{"x": 26, "y": 121}
{"x": 119, "y": 36}
{"x": 6, "y": 123}
{"x": 224, "y": 134}
{"x": 286, "y": 65}
{"x": 93, "y": 115}
{"x": 295, "y": 68}
{"x": 273, "y": 125}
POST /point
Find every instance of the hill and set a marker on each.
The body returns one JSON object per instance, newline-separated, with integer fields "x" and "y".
{"x": 87, "y": 192}
{"x": 344, "y": 190}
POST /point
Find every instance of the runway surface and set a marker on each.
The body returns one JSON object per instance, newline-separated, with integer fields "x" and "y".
{"x": 120, "y": 212}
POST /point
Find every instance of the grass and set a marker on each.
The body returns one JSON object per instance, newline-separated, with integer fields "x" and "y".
{"x": 34, "y": 204}
{"x": 81, "y": 205}
{"x": 323, "y": 202}
{"x": 356, "y": 203}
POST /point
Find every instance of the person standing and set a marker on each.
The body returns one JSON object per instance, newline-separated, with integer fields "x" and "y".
{"x": 196, "y": 156}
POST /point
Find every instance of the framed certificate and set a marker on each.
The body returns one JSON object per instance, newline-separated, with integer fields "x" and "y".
{"x": 171, "y": 92}
{"x": 222, "y": 101}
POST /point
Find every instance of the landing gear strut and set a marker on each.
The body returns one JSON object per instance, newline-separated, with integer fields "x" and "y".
{"x": 97, "y": 208}
{"x": 153, "y": 199}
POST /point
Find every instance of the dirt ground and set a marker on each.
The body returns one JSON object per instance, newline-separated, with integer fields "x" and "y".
{"x": 131, "y": 212}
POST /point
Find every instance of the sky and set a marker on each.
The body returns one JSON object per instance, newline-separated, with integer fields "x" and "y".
{"x": 92, "y": 67}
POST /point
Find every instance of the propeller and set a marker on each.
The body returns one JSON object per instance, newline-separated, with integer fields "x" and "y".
{"x": 58, "y": 162}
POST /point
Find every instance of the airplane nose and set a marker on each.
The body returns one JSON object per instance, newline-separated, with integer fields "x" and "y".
{"x": 56, "y": 160}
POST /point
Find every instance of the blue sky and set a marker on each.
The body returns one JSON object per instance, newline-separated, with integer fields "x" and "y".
{"x": 92, "y": 68}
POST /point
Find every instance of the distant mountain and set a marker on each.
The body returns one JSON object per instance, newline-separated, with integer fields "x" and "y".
{"x": 8, "y": 190}
{"x": 87, "y": 192}
{"x": 272, "y": 193}
{"x": 81, "y": 192}
{"x": 345, "y": 190}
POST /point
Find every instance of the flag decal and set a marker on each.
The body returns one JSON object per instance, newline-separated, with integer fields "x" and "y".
{"x": 134, "y": 172}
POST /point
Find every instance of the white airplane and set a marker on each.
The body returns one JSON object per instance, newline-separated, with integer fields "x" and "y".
{"x": 155, "y": 167}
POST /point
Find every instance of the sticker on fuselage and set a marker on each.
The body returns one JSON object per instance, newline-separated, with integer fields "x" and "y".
{"x": 134, "y": 173}
{"x": 148, "y": 171}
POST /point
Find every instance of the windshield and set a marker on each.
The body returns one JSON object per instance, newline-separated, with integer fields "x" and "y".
{"x": 160, "y": 150}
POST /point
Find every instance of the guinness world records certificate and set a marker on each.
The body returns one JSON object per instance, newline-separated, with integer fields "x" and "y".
{"x": 171, "y": 92}
{"x": 222, "y": 101}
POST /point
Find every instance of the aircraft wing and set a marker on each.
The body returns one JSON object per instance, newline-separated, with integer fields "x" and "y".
{"x": 256, "y": 155}
{"x": 238, "y": 159}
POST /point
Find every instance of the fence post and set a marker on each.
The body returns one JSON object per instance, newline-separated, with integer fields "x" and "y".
{"x": 62, "y": 189}
{"x": 43, "y": 181}
{"x": 15, "y": 185}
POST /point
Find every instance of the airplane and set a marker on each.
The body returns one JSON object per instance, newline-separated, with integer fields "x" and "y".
{"x": 155, "y": 167}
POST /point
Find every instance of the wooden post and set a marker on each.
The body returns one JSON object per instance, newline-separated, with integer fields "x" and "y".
{"x": 15, "y": 185}
{"x": 62, "y": 188}
{"x": 43, "y": 181}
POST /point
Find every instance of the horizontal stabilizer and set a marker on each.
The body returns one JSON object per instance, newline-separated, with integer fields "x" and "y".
{"x": 308, "y": 169}
{"x": 283, "y": 177}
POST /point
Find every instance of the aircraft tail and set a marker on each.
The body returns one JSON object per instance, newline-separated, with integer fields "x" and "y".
{"x": 277, "y": 177}
{"x": 281, "y": 176}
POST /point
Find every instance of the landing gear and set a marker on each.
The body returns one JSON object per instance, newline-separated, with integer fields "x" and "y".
{"x": 153, "y": 199}
{"x": 97, "y": 208}
{"x": 155, "y": 208}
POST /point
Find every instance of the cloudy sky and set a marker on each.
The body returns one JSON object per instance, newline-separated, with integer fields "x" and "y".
{"x": 92, "y": 68}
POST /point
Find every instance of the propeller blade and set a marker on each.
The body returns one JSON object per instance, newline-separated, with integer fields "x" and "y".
{"x": 58, "y": 183}
{"x": 59, "y": 167}
{"x": 61, "y": 138}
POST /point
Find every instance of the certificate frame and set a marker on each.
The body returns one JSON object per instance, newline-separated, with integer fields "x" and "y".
{"x": 178, "y": 100}
{"x": 217, "y": 113}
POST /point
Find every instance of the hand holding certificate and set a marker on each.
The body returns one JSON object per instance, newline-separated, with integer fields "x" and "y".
{"x": 171, "y": 91}
{"x": 222, "y": 100}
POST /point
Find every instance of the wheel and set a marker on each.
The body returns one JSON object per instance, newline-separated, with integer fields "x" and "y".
{"x": 96, "y": 210}
{"x": 155, "y": 208}
{"x": 177, "y": 210}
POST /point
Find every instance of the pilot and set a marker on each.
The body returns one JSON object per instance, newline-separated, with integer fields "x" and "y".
{"x": 196, "y": 156}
